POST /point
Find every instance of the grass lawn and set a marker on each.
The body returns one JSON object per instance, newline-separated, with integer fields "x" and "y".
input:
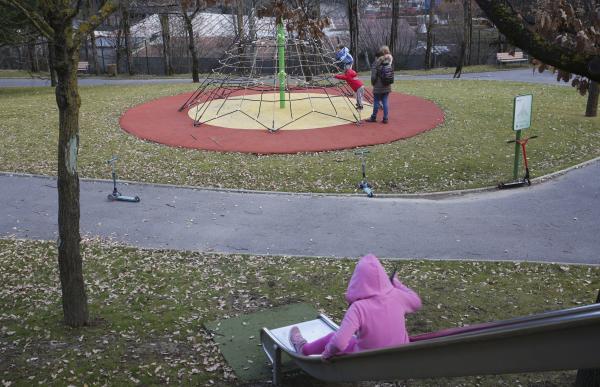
{"x": 23, "y": 74}
{"x": 467, "y": 151}
{"x": 149, "y": 308}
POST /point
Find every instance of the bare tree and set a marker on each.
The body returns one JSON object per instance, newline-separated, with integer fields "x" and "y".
{"x": 430, "y": 26}
{"x": 166, "y": 38}
{"x": 188, "y": 17}
{"x": 87, "y": 10}
{"x": 353, "y": 22}
{"x": 55, "y": 22}
{"x": 394, "y": 29}
{"x": 126, "y": 22}
{"x": 51, "y": 61}
{"x": 465, "y": 44}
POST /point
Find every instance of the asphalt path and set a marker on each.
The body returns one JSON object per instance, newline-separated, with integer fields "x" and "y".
{"x": 555, "y": 221}
{"x": 518, "y": 75}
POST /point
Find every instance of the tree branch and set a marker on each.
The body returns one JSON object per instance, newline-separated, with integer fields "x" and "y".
{"x": 515, "y": 29}
{"x": 94, "y": 21}
{"x": 36, "y": 19}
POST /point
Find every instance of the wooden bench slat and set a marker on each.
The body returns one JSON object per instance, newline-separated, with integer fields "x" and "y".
{"x": 505, "y": 57}
{"x": 83, "y": 66}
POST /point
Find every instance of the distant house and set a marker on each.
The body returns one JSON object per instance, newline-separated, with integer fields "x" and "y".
{"x": 213, "y": 32}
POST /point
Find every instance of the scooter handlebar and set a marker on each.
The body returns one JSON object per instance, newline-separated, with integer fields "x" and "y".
{"x": 525, "y": 139}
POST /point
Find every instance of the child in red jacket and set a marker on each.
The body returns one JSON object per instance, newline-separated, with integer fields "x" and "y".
{"x": 350, "y": 76}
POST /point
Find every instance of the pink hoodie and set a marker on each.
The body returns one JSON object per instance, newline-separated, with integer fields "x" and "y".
{"x": 377, "y": 310}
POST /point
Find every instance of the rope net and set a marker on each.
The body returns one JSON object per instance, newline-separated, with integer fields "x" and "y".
{"x": 246, "y": 84}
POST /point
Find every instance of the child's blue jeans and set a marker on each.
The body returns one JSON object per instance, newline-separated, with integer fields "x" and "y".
{"x": 383, "y": 98}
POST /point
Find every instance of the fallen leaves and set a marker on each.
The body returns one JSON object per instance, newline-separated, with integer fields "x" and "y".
{"x": 153, "y": 304}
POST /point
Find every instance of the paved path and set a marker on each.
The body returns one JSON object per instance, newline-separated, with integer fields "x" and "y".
{"x": 518, "y": 75}
{"x": 558, "y": 220}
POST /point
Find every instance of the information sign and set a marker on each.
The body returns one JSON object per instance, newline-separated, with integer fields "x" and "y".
{"x": 522, "y": 112}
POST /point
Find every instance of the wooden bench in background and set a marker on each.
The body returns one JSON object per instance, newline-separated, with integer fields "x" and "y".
{"x": 83, "y": 67}
{"x": 506, "y": 57}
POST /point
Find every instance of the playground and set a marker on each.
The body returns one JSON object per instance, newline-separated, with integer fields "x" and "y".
{"x": 199, "y": 278}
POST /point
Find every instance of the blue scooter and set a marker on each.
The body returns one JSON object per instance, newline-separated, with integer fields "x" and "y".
{"x": 116, "y": 195}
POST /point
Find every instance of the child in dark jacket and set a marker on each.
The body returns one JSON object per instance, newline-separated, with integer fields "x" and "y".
{"x": 356, "y": 84}
{"x": 375, "y": 317}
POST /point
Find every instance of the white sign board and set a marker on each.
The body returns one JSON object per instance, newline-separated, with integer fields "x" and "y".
{"x": 522, "y": 112}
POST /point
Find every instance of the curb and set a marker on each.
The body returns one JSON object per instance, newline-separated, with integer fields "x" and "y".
{"x": 423, "y": 195}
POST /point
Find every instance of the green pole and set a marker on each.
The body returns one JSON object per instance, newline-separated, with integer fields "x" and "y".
{"x": 517, "y": 155}
{"x": 281, "y": 56}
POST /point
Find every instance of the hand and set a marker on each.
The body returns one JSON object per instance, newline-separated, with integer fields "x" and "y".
{"x": 326, "y": 358}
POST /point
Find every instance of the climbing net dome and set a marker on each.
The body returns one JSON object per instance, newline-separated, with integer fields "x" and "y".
{"x": 274, "y": 78}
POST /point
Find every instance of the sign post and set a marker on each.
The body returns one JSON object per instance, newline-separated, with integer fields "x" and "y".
{"x": 521, "y": 120}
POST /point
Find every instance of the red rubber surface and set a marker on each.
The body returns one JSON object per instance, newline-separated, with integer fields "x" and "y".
{"x": 159, "y": 121}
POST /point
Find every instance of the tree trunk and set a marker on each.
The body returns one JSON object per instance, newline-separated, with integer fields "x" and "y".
{"x": 461, "y": 60}
{"x": 74, "y": 298}
{"x": 240, "y": 25}
{"x": 127, "y": 36}
{"x": 118, "y": 48}
{"x": 87, "y": 12}
{"x": 33, "y": 67}
{"x": 589, "y": 377}
{"x": 166, "y": 37}
{"x": 191, "y": 46}
{"x": 468, "y": 30}
{"x": 252, "y": 22}
{"x": 313, "y": 8}
{"x": 394, "y": 31}
{"x": 430, "y": 25}
{"x": 592, "y": 102}
{"x": 94, "y": 53}
{"x": 466, "y": 43}
{"x": 240, "y": 18}
{"x": 353, "y": 26}
{"x": 51, "y": 60}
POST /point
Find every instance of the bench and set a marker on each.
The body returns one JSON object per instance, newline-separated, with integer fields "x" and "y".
{"x": 83, "y": 67}
{"x": 507, "y": 57}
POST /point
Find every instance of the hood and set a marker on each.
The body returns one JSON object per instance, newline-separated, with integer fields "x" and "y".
{"x": 344, "y": 51}
{"x": 387, "y": 59}
{"x": 368, "y": 280}
{"x": 351, "y": 73}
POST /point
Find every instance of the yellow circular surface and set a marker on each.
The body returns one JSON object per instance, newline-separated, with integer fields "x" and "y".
{"x": 301, "y": 111}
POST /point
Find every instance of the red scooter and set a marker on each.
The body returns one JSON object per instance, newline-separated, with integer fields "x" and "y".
{"x": 525, "y": 180}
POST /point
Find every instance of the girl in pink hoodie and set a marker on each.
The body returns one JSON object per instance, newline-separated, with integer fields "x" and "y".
{"x": 375, "y": 317}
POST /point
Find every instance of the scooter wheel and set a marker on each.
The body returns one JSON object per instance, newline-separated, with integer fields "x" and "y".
{"x": 137, "y": 199}
{"x": 111, "y": 198}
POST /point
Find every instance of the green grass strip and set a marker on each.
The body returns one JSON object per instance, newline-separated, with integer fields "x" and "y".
{"x": 467, "y": 151}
